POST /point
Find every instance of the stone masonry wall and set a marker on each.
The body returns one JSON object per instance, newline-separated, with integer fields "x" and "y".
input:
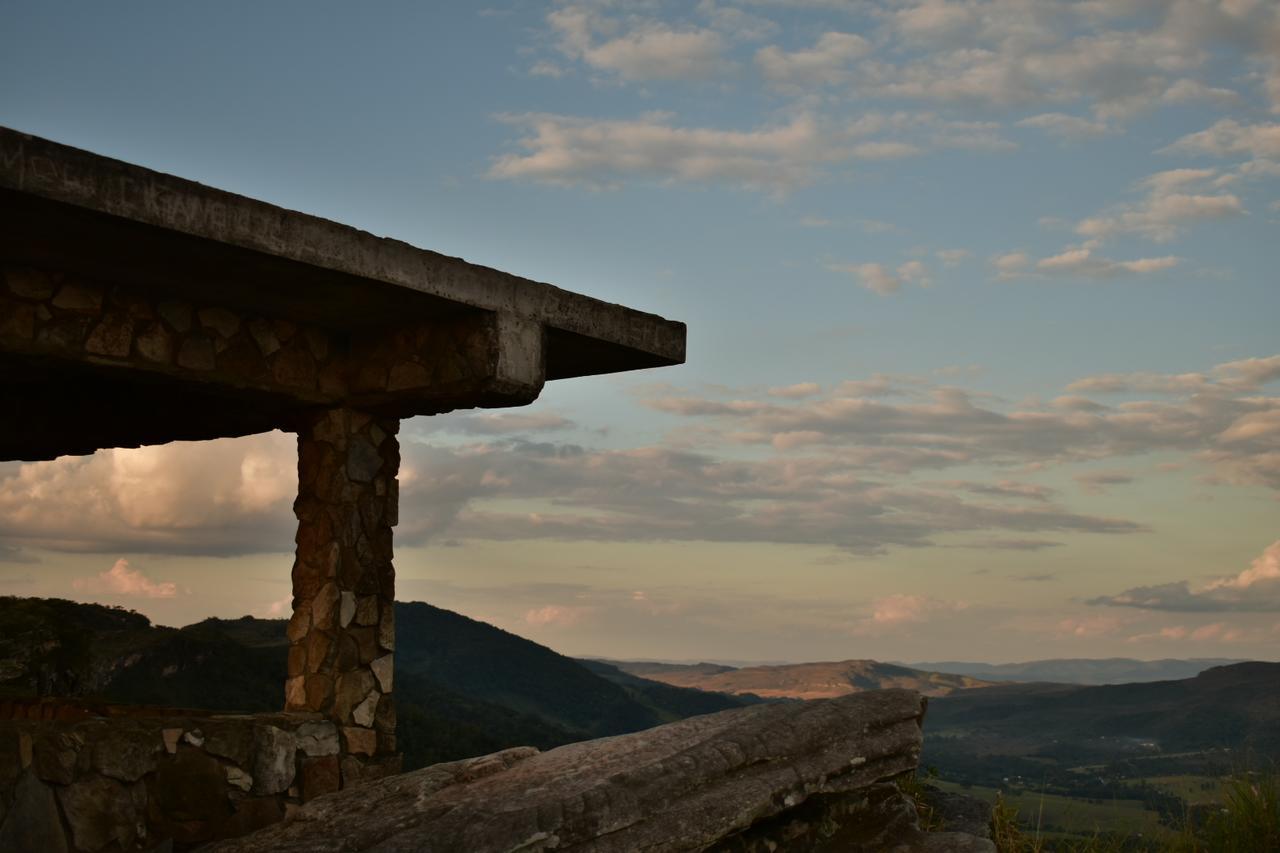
{"x": 342, "y": 633}
{"x": 107, "y": 785}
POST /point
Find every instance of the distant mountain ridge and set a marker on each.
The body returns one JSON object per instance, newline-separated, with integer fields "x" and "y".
{"x": 1081, "y": 670}
{"x": 821, "y": 680}
{"x": 463, "y": 687}
{"x": 1235, "y": 706}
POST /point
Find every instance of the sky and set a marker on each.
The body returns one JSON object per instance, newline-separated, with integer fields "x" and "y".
{"x": 983, "y": 355}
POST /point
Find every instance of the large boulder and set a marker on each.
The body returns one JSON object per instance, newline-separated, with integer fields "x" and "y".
{"x": 690, "y": 785}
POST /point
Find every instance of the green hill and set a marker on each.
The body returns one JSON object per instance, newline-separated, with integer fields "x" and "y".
{"x": 463, "y": 687}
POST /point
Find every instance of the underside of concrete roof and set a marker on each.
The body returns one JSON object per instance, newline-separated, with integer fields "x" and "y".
{"x": 139, "y": 308}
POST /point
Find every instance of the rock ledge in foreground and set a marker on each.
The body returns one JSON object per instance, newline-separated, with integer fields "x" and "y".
{"x": 690, "y": 785}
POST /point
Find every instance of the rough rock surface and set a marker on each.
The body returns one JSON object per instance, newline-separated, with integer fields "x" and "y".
{"x": 689, "y": 785}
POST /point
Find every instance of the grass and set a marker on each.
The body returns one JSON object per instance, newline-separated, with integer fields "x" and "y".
{"x": 1247, "y": 822}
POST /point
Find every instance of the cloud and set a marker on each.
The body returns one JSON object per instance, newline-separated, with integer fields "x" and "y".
{"x": 568, "y": 151}
{"x": 1096, "y": 482}
{"x": 1172, "y": 203}
{"x": 1061, "y": 124}
{"x": 605, "y": 153}
{"x": 123, "y": 580}
{"x": 1229, "y": 138}
{"x": 796, "y": 391}
{"x": 1210, "y": 418}
{"x": 1255, "y": 589}
{"x": 224, "y": 497}
{"x": 827, "y": 63}
{"x": 1081, "y": 262}
{"x": 899, "y": 608}
{"x": 880, "y": 279}
{"x": 650, "y": 51}
{"x": 555, "y": 615}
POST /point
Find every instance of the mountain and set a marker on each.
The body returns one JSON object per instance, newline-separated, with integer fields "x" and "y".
{"x": 800, "y": 680}
{"x": 1080, "y": 670}
{"x": 1235, "y": 706}
{"x": 463, "y": 687}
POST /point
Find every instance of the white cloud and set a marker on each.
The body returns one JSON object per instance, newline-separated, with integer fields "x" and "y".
{"x": 1083, "y": 263}
{"x": 899, "y": 608}
{"x": 650, "y": 51}
{"x": 567, "y": 151}
{"x": 1228, "y": 138}
{"x": 881, "y": 279}
{"x": 1061, "y": 124}
{"x": 827, "y": 63}
{"x": 1256, "y": 588}
{"x": 123, "y": 580}
{"x": 796, "y": 391}
{"x": 1172, "y": 203}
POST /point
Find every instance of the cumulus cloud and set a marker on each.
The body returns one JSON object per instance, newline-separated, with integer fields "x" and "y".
{"x": 223, "y": 497}
{"x": 1230, "y": 138}
{"x": 838, "y": 465}
{"x": 651, "y": 50}
{"x": 1175, "y": 199}
{"x": 881, "y": 279}
{"x": 1081, "y": 262}
{"x": 123, "y": 580}
{"x": 1256, "y": 589}
{"x": 898, "y": 608}
{"x": 600, "y": 153}
{"x": 796, "y": 391}
{"x": 827, "y": 63}
{"x": 606, "y": 153}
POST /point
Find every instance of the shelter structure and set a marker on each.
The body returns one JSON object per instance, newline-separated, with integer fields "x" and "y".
{"x": 139, "y": 308}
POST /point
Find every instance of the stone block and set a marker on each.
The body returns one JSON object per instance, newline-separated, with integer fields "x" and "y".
{"x": 189, "y": 787}
{"x": 170, "y": 738}
{"x": 79, "y": 298}
{"x": 264, "y": 336}
{"x": 319, "y": 691}
{"x": 346, "y": 608}
{"x": 54, "y": 756}
{"x": 220, "y": 320}
{"x": 367, "y": 610}
{"x": 32, "y": 822}
{"x": 274, "y": 751}
{"x": 100, "y": 811}
{"x": 17, "y": 322}
{"x": 364, "y": 712}
{"x": 323, "y": 606}
{"x": 387, "y": 628}
{"x": 112, "y": 337}
{"x": 238, "y": 778}
{"x": 124, "y": 755}
{"x": 383, "y": 670}
{"x": 295, "y": 694}
{"x": 317, "y": 739}
{"x": 294, "y": 367}
{"x": 232, "y": 741}
{"x": 196, "y": 353}
{"x": 29, "y": 283}
{"x": 360, "y": 741}
{"x": 351, "y": 690}
{"x": 320, "y": 775}
{"x": 154, "y": 344}
{"x": 177, "y": 315}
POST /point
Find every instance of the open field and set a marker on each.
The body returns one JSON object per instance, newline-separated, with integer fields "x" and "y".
{"x": 1059, "y": 816}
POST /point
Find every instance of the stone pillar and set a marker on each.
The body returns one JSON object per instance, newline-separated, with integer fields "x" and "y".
{"x": 343, "y": 628}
